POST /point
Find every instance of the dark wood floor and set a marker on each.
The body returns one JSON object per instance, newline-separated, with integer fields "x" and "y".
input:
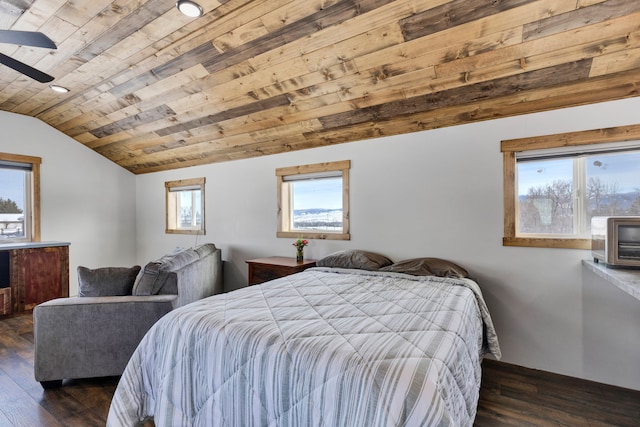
{"x": 23, "y": 402}
{"x": 515, "y": 396}
{"x": 510, "y": 395}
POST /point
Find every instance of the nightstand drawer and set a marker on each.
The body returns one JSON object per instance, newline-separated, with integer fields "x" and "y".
{"x": 262, "y": 274}
{"x": 264, "y": 269}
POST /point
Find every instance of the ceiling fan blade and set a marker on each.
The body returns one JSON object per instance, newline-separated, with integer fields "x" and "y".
{"x": 25, "y": 69}
{"x": 27, "y": 38}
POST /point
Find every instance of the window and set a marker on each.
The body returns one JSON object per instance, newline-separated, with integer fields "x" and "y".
{"x": 19, "y": 198}
{"x": 313, "y": 201}
{"x": 185, "y": 206}
{"x": 555, "y": 184}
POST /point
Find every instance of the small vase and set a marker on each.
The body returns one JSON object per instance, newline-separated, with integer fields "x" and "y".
{"x": 299, "y": 255}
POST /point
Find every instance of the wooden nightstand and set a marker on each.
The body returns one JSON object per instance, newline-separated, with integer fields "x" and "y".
{"x": 265, "y": 269}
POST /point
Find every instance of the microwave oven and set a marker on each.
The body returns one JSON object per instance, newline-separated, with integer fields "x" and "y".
{"x": 615, "y": 240}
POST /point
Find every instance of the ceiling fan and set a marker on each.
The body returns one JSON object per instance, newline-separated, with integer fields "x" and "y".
{"x": 26, "y": 38}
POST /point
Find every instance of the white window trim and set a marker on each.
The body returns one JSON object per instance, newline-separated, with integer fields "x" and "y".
{"x": 284, "y": 199}
{"x": 509, "y": 148}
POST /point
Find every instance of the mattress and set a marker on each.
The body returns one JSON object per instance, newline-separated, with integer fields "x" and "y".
{"x": 325, "y": 347}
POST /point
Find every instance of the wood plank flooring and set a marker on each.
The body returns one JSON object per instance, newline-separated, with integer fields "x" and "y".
{"x": 510, "y": 395}
{"x": 23, "y": 402}
{"x": 516, "y": 396}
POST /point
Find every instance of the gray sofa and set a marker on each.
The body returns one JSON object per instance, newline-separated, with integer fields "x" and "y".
{"x": 95, "y": 334}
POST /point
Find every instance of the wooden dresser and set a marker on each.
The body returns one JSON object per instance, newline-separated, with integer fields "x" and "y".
{"x": 32, "y": 273}
{"x": 265, "y": 269}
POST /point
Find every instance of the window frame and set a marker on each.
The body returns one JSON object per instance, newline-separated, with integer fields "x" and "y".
{"x": 34, "y": 199}
{"x": 171, "y": 186}
{"x": 284, "y": 208}
{"x": 510, "y": 147}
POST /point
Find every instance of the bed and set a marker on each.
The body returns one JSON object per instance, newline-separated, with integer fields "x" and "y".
{"x": 325, "y": 347}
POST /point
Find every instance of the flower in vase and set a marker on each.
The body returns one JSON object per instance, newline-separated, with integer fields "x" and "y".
{"x": 300, "y": 243}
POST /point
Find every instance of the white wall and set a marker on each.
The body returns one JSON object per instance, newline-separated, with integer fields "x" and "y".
{"x": 434, "y": 193}
{"x": 611, "y": 332}
{"x": 86, "y": 199}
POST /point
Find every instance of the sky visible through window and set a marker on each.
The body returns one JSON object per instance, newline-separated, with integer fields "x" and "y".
{"x": 187, "y": 209}
{"x": 621, "y": 169}
{"x": 12, "y": 186}
{"x": 325, "y": 193}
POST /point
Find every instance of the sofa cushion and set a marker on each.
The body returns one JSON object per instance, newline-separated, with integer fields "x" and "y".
{"x": 205, "y": 249}
{"x": 148, "y": 281}
{"x": 155, "y": 274}
{"x": 176, "y": 260}
{"x": 106, "y": 281}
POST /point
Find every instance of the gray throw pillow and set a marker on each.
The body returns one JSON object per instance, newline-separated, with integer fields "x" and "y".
{"x": 106, "y": 281}
{"x": 155, "y": 274}
{"x": 150, "y": 279}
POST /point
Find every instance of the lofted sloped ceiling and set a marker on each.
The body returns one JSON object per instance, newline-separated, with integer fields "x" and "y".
{"x": 153, "y": 90}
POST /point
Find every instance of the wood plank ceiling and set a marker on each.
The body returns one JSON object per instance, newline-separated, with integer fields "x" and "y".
{"x": 154, "y": 90}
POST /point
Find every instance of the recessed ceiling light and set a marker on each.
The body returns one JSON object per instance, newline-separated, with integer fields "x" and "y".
{"x": 189, "y": 8}
{"x": 59, "y": 89}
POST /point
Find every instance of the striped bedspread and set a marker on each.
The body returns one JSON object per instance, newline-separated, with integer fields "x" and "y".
{"x": 325, "y": 347}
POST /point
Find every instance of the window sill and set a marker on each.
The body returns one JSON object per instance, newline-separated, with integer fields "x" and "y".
{"x": 624, "y": 278}
{"x": 193, "y": 232}
{"x": 533, "y": 242}
{"x": 314, "y": 235}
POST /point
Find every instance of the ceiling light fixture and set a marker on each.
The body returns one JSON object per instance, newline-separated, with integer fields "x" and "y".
{"x": 59, "y": 89}
{"x": 189, "y": 8}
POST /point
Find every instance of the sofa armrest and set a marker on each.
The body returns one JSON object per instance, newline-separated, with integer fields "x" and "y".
{"x": 199, "y": 279}
{"x": 92, "y": 336}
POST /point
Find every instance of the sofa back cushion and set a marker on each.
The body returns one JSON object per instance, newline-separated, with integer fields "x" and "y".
{"x": 160, "y": 273}
{"x": 107, "y": 281}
